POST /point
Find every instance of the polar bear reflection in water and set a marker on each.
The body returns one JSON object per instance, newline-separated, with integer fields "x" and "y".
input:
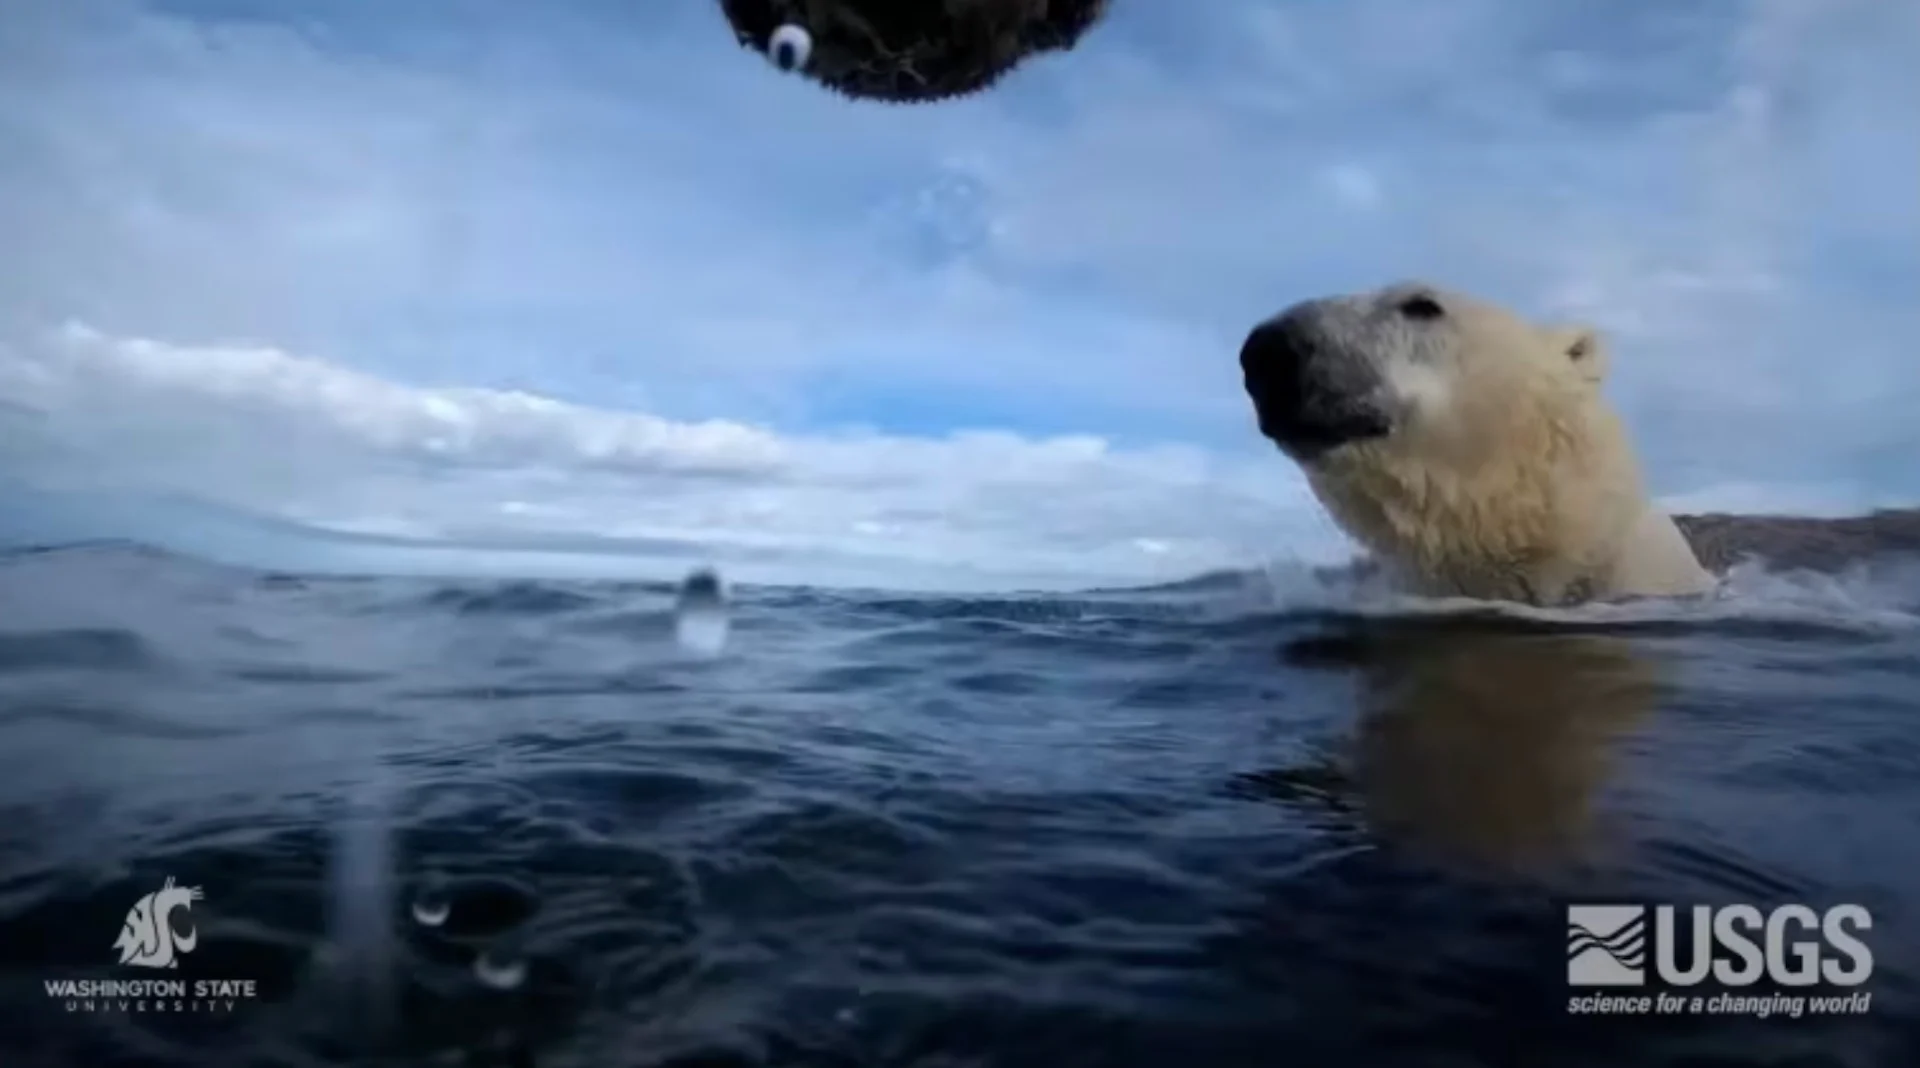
{"x": 1487, "y": 741}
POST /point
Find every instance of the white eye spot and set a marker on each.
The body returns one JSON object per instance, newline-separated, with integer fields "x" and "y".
{"x": 789, "y": 47}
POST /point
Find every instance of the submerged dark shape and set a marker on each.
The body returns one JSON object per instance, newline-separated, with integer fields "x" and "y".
{"x": 1800, "y": 543}
{"x": 908, "y": 51}
{"x": 1479, "y": 744}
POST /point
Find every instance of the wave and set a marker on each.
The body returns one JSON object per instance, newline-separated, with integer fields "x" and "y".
{"x": 1878, "y": 596}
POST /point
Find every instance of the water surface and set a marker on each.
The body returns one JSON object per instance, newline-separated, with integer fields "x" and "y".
{"x": 1250, "y": 821}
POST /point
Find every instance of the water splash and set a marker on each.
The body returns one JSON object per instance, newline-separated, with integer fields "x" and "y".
{"x": 1874, "y": 597}
{"x": 700, "y": 617}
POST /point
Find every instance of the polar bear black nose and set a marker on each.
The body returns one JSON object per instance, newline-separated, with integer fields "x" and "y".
{"x": 1309, "y": 398}
{"x": 1274, "y": 364}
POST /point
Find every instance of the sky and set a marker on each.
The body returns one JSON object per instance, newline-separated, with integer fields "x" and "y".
{"x": 583, "y": 286}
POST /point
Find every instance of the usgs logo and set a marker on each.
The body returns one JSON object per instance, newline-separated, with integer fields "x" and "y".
{"x": 1610, "y": 945}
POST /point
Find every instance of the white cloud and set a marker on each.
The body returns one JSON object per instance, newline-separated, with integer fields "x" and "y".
{"x": 294, "y": 438}
{"x": 84, "y": 374}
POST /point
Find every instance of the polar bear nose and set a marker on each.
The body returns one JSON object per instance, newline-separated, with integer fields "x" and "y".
{"x": 1274, "y": 362}
{"x": 1309, "y": 399}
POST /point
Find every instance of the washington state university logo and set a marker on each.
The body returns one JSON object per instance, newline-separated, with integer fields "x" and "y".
{"x": 1606, "y": 945}
{"x": 148, "y": 939}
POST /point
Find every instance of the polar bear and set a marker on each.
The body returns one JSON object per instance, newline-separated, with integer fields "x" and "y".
{"x": 1471, "y": 452}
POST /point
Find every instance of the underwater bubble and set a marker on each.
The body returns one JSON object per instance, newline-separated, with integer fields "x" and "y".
{"x": 503, "y": 966}
{"x": 431, "y": 905}
{"x": 789, "y": 47}
{"x": 700, "y": 617}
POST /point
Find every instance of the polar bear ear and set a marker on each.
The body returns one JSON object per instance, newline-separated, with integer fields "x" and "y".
{"x": 1585, "y": 349}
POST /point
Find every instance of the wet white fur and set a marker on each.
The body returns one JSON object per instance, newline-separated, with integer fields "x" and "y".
{"x": 1507, "y": 475}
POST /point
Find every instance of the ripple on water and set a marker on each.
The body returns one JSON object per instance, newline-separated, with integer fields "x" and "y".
{"x": 638, "y": 796}
{"x": 1720, "y": 870}
{"x": 303, "y": 675}
{"x": 85, "y": 649}
{"x": 118, "y": 720}
{"x": 1871, "y": 758}
{"x": 508, "y": 599}
{"x": 859, "y": 678}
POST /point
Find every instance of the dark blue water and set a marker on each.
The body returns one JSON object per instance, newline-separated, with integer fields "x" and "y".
{"x": 1236, "y": 823}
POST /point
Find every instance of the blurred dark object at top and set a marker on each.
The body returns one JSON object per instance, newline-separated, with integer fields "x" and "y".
{"x": 908, "y": 51}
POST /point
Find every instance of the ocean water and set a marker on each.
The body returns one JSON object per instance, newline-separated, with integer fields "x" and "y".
{"x": 1251, "y": 820}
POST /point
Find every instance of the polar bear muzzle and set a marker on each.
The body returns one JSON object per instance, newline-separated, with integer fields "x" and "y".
{"x": 1310, "y": 394}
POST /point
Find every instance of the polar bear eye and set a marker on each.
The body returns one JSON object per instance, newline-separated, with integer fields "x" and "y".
{"x": 1421, "y": 307}
{"x": 789, "y": 47}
